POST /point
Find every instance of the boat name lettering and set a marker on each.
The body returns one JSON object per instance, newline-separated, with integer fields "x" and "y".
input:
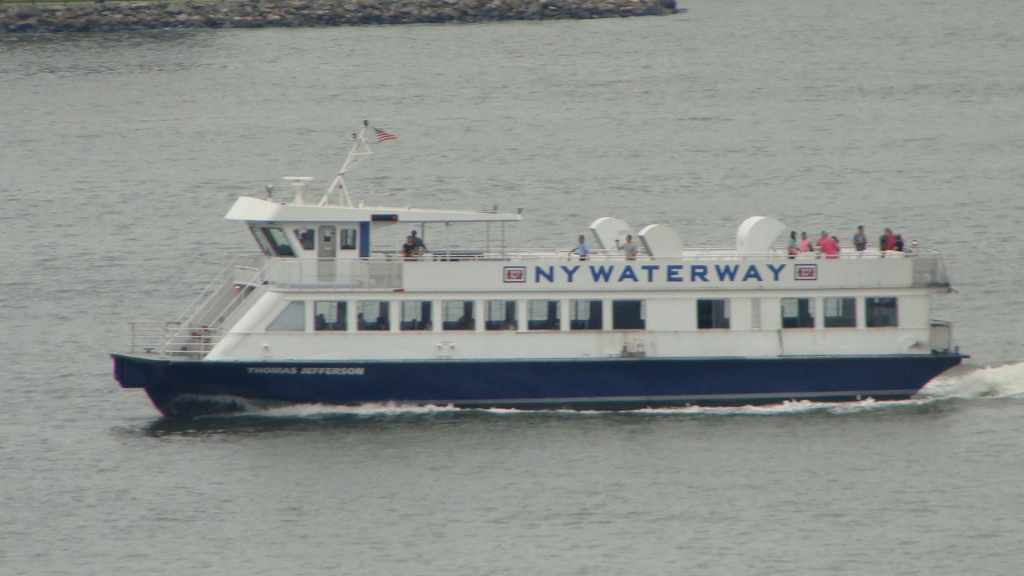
{"x": 346, "y": 371}
{"x": 335, "y": 371}
{"x": 652, "y": 273}
{"x": 273, "y": 370}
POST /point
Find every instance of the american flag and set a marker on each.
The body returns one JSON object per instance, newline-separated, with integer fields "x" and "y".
{"x": 383, "y": 136}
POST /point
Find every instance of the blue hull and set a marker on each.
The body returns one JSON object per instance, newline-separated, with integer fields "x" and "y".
{"x": 182, "y": 388}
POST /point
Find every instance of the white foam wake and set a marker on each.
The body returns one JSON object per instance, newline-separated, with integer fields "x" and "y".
{"x": 392, "y": 409}
{"x": 366, "y": 410}
{"x": 989, "y": 382}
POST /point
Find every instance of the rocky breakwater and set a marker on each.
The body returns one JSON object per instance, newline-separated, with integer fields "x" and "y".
{"x": 117, "y": 16}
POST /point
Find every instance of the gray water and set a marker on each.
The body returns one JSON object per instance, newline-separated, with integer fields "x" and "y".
{"x": 119, "y": 156}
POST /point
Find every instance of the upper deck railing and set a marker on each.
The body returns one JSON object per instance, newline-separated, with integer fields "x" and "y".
{"x": 384, "y": 270}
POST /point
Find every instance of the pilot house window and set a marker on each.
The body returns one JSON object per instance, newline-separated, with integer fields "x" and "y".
{"x": 306, "y": 237}
{"x": 257, "y": 233}
{"x": 278, "y": 241}
{"x": 347, "y": 239}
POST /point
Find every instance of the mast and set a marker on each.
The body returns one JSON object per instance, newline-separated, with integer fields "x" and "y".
{"x": 360, "y": 150}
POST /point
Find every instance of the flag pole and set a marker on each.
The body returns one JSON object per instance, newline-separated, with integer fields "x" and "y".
{"x": 360, "y": 150}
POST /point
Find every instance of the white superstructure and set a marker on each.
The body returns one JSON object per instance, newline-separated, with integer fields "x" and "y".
{"x": 322, "y": 289}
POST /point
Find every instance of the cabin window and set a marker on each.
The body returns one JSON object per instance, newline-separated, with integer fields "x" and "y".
{"x": 501, "y": 315}
{"x": 543, "y": 315}
{"x": 628, "y": 315}
{"x": 347, "y": 238}
{"x": 457, "y": 315}
{"x": 292, "y": 318}
{"x": 372, "y": 315}
{"x": 416, "y": 315}
{"x": 330, "y": 315}
{"x": 306, "y": 238}
{"x": 712, "y": 314}
{"x": 798, "y": 313}
{"x": 278, "y": 241}
{"x": 880, "y": 312}
{"x": 585, "y": 314}
{"x": 261, "y": 240}
{"x": 840, "y": 312}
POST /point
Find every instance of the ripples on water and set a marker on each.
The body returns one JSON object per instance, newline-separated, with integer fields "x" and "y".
{"x": 119, "y": 156}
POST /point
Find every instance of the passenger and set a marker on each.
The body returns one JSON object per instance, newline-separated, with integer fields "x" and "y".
{"x": 409, "y": 248}
{"x": 583, "y": 248}
{"x": 381, "y": 324}
{"x": 629, "y": 247}
{"x": 805, "y": 243}
{"x": 420, "y": 247}
{"x": 898, "y": 244}
{"x": 793, "y": 246}
{"x": 321, "y": 322}
{"x": 361, "y": 323}
{"x": 860, "y": 239}
{"x": 828, "y": 246}
{"x": 887, "y": 241}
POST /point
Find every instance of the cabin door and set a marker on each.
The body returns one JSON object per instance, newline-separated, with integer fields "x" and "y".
{"x": 326, "y": 252}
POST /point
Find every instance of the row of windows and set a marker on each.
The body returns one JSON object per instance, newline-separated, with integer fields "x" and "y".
{"x": 583, "y": 314}
{"x": 459, "y": 315}
{"x": 799, "y": 313}
{"x": 274, "y": 241}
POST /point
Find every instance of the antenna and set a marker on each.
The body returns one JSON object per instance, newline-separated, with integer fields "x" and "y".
{"x": 299, "y": 183}
{"x": 360, "y": 150}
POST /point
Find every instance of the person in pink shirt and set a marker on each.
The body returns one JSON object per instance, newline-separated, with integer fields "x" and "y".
{"x": 828, "y": 246}
{"x": 805, "y": 243}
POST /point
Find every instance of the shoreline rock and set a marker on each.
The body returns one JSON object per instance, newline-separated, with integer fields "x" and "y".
{"x": 119, "y": 16}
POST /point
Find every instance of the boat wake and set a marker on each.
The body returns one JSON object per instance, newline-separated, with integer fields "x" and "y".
{"x": 1006, "y": 381}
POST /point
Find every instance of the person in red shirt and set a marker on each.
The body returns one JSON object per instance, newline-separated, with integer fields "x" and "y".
{"x": 828, "y": 246}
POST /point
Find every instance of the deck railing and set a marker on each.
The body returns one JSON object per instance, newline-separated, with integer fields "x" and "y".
{"x": 172, "y": 339}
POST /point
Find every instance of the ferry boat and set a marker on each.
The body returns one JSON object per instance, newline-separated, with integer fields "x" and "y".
{"x": 327, "y": 313}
